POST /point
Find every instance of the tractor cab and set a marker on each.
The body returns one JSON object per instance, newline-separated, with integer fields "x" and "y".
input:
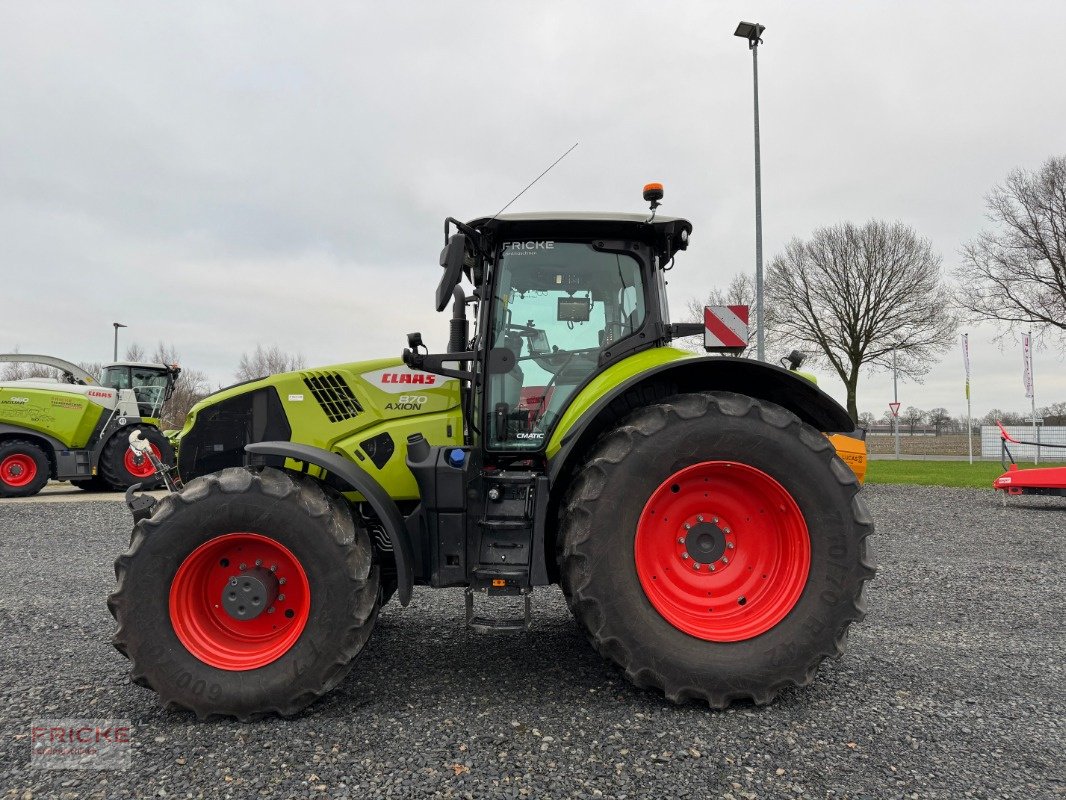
{"x": 558, "y": 298}
{"x": 152, "y": 384}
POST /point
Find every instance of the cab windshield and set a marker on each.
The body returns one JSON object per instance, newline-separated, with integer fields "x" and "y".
{"x": 149, "y": 386}
{"x": 557, "y": 306}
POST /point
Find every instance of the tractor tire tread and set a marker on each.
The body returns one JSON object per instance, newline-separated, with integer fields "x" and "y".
{"x": 580, "y": 508}
{"x": 320, "y": 504}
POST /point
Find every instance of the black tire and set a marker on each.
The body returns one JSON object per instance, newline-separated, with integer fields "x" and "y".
{"x": 319, "y": 531}
{"x": 599, "y": 564}
{"x": 18, "y": 459}
{"x": 112, "y": 467}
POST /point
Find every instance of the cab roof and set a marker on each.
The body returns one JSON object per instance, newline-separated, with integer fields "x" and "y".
{"x": 668, "y": 234}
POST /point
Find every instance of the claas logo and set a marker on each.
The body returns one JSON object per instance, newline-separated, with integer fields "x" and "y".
{"x": 420, "y": 378}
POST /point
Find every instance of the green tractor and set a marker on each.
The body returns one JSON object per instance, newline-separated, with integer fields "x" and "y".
{"x": 703, "y": 529}
{"x": 76, "y": 428}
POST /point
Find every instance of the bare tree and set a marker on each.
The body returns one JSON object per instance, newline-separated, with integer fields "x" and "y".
{"x": 1006, "y": 417}
{"x": 1054, "y": 414}
{"x": 267, "y": 361}
{"x": 939, "y": 418}
{"x": 134, "y": 352}
{"x": 189, "y": 389}
{"x": 867, "y": 419}
{"x": 740, "y": 291}
{"x": 1015, "y": 275}
{"x": 854, "y": 293}
{"x": 912, "y": 417}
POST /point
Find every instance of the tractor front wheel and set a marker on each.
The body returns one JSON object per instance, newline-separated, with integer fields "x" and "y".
{"x": 24, "y": 468}
{"x": 715, "y": 548}
{"x": 248, "y": 593}
{"x": 120, "y": 468}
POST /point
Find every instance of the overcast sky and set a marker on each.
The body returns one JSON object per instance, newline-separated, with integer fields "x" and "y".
{"x": 223, "y": 174}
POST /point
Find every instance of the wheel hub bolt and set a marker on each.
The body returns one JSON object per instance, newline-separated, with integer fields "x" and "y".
{"x": 696, "y": 566}
{"x": 711, "y": 567}
{"x": 281, "y": 598}
{"x": 726, "y": 530}
{"x": 688, "y": 526}
{"x": 281, "y": 581}
{"x": 725, "y": 559}
{"x": 730, "y": 545}
{"x": 715, "y": 521}
{"x": 243, "y": 566}
{"x": 684, "y": 556}
{"x": 680, "y": 539}
{"x": 699, "y": 518}
{"x": 273, "y": 567}
{"x": 259, "y": 562}
{"x": 270, "y": 610}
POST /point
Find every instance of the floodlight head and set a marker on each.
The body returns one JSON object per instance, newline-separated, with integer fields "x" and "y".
{"x": 752, "y": 31}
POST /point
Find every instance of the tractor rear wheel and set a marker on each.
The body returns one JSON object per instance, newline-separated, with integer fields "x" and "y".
{"x": 119, "y": 467}
{"x": 248, "y": 593}
{"x": 715, "y": 548}
{"x": 24, "y": 468}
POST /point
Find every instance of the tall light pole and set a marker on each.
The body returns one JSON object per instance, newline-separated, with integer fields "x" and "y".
{"x": 117, "y": 326}
{"x": 752, "y": 31}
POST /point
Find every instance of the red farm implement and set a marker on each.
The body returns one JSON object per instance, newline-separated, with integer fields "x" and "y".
{"x": 1036, "y": 480}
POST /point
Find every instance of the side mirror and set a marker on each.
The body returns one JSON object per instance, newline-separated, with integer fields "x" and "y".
{"x": 451, "y": 258}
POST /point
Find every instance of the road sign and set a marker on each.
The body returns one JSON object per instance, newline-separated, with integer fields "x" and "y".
{"x": 895, "y": 409}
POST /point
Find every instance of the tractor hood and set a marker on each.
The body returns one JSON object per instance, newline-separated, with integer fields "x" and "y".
{"x": 328, "y": 407}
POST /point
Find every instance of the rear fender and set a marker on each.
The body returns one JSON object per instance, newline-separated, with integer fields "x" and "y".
{"x": 700, "y": 374}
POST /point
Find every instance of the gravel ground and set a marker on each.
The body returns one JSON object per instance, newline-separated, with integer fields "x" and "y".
{"x": 954, "y": 687}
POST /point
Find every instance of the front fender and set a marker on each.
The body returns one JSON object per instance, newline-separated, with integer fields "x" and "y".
{"x": 358, "y": 479}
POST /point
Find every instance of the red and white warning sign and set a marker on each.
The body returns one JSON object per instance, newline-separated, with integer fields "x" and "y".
{"x": 894, "y": 408}
{"x": 725, "y": 327}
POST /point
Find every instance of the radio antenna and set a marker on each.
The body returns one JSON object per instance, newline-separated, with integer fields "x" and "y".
{"x": 556, "y": 161}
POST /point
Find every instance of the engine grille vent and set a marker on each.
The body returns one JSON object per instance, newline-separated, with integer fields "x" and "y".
{"x": 333, "y": 395}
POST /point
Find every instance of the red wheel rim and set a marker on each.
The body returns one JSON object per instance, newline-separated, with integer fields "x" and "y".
{"x": 145, "y": 468}
{"x": 750, "y": 551}
{"x": 18, "y": 469}
{"x": 211, "y": 633}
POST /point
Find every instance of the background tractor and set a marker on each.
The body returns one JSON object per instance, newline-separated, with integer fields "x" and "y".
{"x": 77, "y": 428}
{"x": 706, "y": 534}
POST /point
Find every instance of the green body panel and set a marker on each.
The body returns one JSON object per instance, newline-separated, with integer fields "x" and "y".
{"x": 603, "y": 383}
{"x": 395, "y": 407}
{"x": 70, "y": 418}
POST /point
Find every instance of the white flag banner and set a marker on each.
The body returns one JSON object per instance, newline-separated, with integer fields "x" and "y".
{"x": 1027, "y": 356}
{"x": 966, "y": 361}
